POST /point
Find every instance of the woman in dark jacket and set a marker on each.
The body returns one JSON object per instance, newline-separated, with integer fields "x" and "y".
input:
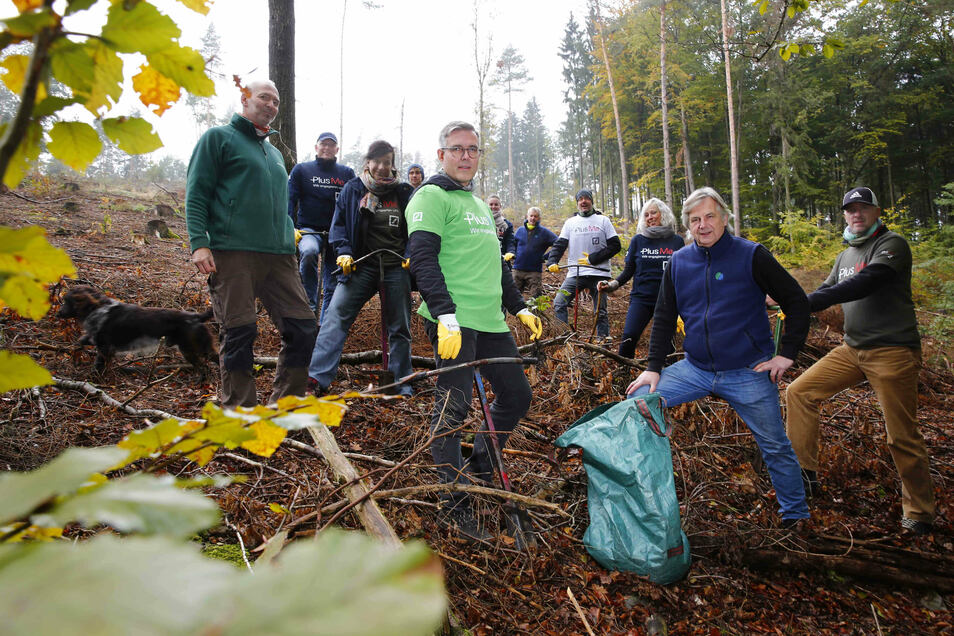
{"x": 369, "y": 218}
{"x": 649, "y": 251}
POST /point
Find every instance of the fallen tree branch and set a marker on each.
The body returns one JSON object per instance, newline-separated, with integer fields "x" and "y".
{"x": 367, "y": 510}
{"x": 867, "y": 561}
{"x": 314, "y": 452}
{"x": 362, "y": 357}
{"x": 86, "y": 387}
{"x": 261, "y": 466}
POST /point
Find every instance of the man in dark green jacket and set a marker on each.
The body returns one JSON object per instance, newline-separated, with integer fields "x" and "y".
{"x": 242, "y": 237}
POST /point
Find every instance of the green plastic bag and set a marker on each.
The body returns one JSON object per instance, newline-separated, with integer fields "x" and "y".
{"x": 634, "y": 512}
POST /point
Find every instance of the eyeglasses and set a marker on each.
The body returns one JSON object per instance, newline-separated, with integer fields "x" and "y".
{"x": 458, "y": 151}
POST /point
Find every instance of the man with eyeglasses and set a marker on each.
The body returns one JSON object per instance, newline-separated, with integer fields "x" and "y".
{"x": 455, "y": 258}
{"x": 313, "y": 188}
{"x": 872, "y": 281}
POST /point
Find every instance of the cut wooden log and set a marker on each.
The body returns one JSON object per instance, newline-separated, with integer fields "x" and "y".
{"x": 367, "y": 511}
{"x": 865, "y": 560}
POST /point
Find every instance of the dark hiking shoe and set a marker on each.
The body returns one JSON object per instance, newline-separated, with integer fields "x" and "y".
{"x": 314, "y": 388}
{"x": 794, "y": 525}
{"x": 914, "y": 526}
{"x": 461, "y": 520}
{"x": 811, "y": 483}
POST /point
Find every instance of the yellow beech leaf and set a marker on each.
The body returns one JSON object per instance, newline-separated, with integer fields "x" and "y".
{"x": 27, "y": 5}
{"x": 268, "y": 437}
{"x": 278, "y": 509}
{"x": 153, "y": 439}
{"x": 24, "y": 156}
{"x": 199, "y": 6}
{"x": 155, "y": 89}
{"x": 21, "y": 372}
{"x": 27, "y": 262}
{"x": 33, "y": 533}
{"x": 193, "y": 449}
{"x": 16, "y": 69}
{"x": 75, "y": 143}
{"x": 106, "y": 85}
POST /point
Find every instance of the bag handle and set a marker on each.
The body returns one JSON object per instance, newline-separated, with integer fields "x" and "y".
{"x": 647, "y": 414}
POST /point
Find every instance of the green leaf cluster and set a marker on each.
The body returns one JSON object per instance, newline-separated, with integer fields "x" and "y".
{"x": 92, "y": 70}
{"x": 28, "y": 263}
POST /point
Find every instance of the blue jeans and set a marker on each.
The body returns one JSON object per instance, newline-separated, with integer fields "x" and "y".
{"x": 755, "y": 398}
{"x": 310, "y": 247}
{"x": 348, "y": 300}
{"x": 564, "y": 298}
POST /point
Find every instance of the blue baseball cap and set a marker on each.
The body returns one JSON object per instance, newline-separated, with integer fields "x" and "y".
{"x": 327, "y": 135}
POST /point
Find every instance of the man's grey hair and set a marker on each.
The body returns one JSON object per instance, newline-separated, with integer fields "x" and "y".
{"x": 534, "y": 209}
{"x": 452, "y": 127}
{"x": 697, "y": 197}
{"x": 666, "y": 217}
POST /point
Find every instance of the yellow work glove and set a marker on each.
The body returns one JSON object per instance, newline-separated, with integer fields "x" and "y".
{"x": 532, "y": 322}
{"x": 346, "y": 263}
{"x": 680, "y": 326}
{"x": 554, "y": 268}
{"x": 406, "y": 263}
{"x": 448, "y": 336}
{"x": 508, "y": 256}
{"x": 297, "y": 236}
{"x": 585, "y": 260}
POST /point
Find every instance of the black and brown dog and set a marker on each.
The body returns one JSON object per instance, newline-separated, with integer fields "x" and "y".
{"x": 112, "y": 326}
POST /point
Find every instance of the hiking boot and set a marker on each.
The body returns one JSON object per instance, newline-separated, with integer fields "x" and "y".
{"x": 314, "y": 388}
{"x": 914, "y": 526}
{"x": 811, "y": 483}
{"x": 791, "y": 524}
{"x": 460, "y": 519}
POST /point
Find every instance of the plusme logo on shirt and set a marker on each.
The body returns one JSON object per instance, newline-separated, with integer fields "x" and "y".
{"x": 393, "y": 220}
{"x": 417, "y": 217}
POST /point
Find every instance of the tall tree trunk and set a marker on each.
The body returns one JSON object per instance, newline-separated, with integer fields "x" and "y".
{"x": 510, "y": 141}
{"x": 344, "y": 11}
{"x": 733, "y": 150}
{"x": 619, "y": 127}
{"x": 482, "y": 67}
{"x": 400, "y": 157}
{"x": 687, "y": 160}
{"x": 665, "y": 106}
{"x": 281, "y": 70}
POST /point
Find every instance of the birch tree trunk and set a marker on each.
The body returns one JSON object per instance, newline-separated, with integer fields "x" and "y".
{"x": 624, "y": 184}
{"x": 687, "y": 160}
{"x": 733, "y": 150}
{"x": 667, "y": 165}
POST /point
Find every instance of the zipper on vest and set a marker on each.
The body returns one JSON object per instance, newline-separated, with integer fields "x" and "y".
{"x": 705, "y": 320}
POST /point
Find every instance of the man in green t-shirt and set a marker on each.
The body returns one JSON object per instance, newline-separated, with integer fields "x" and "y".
{"x": 455, "y": 258}
{"x": 872, "y": 281}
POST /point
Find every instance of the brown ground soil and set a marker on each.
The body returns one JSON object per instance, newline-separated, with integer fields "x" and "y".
{"x": 728, "y": 507}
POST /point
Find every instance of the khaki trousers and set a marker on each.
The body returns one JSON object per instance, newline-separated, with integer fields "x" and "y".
{"x": 893, "y": 374}
{"x": 530, "y": 282}
{"x": 239, "y": 279}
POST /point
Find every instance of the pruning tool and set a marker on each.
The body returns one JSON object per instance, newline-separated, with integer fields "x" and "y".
{"x": 514, "y": 516}
{"x": 779, "y": 321}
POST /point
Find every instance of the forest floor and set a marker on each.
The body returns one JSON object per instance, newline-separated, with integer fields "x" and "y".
{"x": 849, "y": 571}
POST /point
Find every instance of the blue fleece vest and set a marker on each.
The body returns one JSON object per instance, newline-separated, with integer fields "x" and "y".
{"x": 727, "y": 326}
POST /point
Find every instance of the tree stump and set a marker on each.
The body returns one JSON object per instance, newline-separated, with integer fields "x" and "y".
{"x": 71, "y": 186}
{"x": 159, "y": 229}
{"x": 165, "y": 210}
{"x": 71, "y": 206}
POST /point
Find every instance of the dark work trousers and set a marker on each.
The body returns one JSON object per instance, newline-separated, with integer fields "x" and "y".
{"x": 454, "y": 396}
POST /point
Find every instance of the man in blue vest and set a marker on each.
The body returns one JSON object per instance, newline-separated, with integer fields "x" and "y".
{"x": 313, "y": 188}
{"x": 718, "y": 285}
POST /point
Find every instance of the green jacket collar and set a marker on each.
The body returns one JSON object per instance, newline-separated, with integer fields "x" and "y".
{"x": 240, "y": 123}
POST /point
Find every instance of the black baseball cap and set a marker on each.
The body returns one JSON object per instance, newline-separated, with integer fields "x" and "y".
{"x": 859, "y": 195}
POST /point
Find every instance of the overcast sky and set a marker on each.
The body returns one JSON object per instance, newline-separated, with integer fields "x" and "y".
{"x": 416, "y": 52}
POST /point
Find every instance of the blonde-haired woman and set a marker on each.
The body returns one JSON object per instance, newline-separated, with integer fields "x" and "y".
{"x": 649, "y": 251}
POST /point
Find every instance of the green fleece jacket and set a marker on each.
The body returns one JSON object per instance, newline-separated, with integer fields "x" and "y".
{"x": 237, "y": 192}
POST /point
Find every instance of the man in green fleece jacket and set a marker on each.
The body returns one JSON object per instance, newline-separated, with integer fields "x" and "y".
{"x": 242, "y": 237}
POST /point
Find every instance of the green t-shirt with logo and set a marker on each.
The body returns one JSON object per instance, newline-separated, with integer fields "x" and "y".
{"x": 469, "y": 256}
